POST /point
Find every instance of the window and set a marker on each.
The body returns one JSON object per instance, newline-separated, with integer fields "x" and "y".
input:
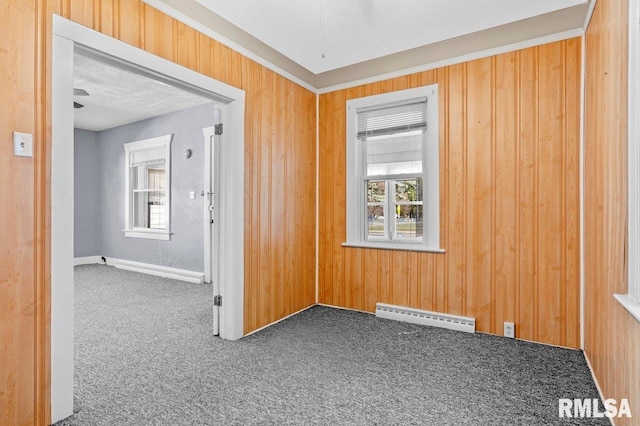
{"x": 631, "y": 300}
{"x": 392, "y": 171}
{"x": 147, "y": 176}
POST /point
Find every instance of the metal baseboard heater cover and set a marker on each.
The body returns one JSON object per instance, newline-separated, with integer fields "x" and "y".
{"x": 421, "y": 317}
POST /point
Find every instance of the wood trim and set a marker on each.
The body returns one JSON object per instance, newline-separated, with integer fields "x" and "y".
{"x": 509, "y": 141}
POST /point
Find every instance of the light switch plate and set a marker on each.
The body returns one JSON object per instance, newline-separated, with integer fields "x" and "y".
{"x": 22, "y": 144}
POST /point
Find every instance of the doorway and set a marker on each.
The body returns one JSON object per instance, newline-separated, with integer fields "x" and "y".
{"x": 67, "y": 38}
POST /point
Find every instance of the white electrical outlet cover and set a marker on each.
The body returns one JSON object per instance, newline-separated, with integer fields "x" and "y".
{"x": 22, "y": 144}
{"x": 509, "y": 329}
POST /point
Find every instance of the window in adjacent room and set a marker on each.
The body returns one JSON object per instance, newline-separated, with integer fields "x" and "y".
{"x": 392, "y": 170}
{"x": 148, "y": 177}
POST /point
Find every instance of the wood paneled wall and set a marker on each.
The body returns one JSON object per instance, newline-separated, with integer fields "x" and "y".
{"x": 612, "y": 335}
{"x": 509, "y": 189}
{"x": 279, "y": 179}
{"x": 22, "y": 348}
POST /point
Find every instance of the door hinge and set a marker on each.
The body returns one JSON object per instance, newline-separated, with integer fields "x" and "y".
{"x": 218, "y": 129}
{"x": 217, "y": 300}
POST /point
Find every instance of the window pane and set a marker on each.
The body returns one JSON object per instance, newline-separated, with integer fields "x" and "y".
{"x": 375, "y": 191}
{"x": 409, "y": 213}
{"x": 409, "y": 190}
{"x": 156, "y": 179}
{"x": 147, "y": 177}
{"x": 376, "y": 199}
{"x": 375, "y": 223}
{"x": 409, "y": 223}
{"x": 399, "y": 153}
{"x": 149, "y": 209}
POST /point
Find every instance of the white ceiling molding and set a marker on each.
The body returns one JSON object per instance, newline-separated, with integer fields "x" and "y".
{"x": 198, "y": 17}
{"x": 564, "y": 19}
{"x": 547, "y": 28}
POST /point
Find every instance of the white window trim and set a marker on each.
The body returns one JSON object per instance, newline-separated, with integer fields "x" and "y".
{"x": 151, "y": 234}
{"x": 431, "y": 176}
{"x": 631, "y": 300}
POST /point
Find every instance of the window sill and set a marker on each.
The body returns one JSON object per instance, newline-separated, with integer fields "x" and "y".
{"x": 629, "y": 304}
{"x": 394, "y": 246}
{"x": 149, "y": 235}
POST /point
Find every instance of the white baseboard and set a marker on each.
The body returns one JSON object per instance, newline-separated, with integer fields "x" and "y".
{"x": 144, "y": 268}
{"x": 87, "y": 260}
{"x": 157, "y": 270}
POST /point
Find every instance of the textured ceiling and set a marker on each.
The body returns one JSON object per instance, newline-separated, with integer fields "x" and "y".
{"x": 118, "y": 97}
{"x": 324, "y": 35}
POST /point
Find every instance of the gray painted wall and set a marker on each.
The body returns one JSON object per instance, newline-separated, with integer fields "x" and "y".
{"x": 85, "y": 193}
{"x": 185, "y": 250}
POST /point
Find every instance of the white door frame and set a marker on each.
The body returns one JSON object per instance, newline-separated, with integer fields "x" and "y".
{"x": 211, "y": 200}
{"x": 68, "y": 36}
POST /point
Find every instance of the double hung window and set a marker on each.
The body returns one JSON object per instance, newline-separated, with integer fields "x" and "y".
{"x": 147, "y": 177}
{"x": 392, "y": 171}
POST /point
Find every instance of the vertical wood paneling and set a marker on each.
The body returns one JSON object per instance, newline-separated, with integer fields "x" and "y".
{"x": 277, "y": 219}
{"x": 506, "y": 188}
{"x": 266, "y": 287}
{"x": 478, "y": 183}
{"x": 336, "y": 216}
{"x": 105, "y": 12}
{"x": 18, "y": 404}
{"x": 159, "y": 32}
{"x": 82, "y": 12}
{"x": 612, "y": 342}
{"x": 550, "y": 193}
{"x": 572, "y": 200}
{"x": 455, "y": 98}
{"x": 187, "y": 46}
{"x": 272, "y": 103}
{"x": 509, "y": 163}
{"x": 526, "y": 323}
{"x": 129, "y": 22}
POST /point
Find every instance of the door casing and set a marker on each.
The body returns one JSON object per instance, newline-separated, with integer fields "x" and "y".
{"x": 67, "y": 37}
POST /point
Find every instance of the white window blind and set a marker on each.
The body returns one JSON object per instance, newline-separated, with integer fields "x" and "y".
{"x": 394, "y": 137}
{"x": 147, "y": 157}
{"x": 386, "y": 120}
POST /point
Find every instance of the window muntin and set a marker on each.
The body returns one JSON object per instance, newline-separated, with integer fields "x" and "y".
{"x": 148, "y": 176}
{"x": 392, "y": 170}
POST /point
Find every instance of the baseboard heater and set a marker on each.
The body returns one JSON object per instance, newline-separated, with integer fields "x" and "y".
{"x": 160, "y": 271}
{"x": 421, "y": 317}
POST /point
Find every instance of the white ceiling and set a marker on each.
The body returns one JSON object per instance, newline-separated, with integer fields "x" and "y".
{"x": 118, "y": 97}
{"x": 328, "y": 34}
{"x": 323, "y": 38}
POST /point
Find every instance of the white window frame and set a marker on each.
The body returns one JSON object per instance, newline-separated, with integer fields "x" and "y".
{"x": 631, "y": 300}
{"x": 153, "y": 234}
{"x": 356, "y": 172}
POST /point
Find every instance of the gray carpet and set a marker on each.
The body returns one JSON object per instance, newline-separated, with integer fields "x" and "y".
{"x": 145, "y": 356}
